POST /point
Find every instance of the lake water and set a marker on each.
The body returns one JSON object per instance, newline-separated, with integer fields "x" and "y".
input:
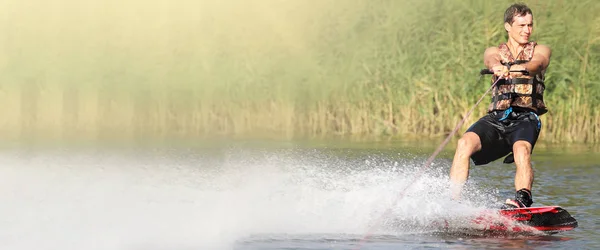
{"x": 282, "y": 195}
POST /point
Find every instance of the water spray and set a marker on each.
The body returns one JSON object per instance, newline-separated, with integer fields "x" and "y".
{"x": 427, "y": 163}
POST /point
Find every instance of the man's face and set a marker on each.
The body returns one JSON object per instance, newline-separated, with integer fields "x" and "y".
{"x": 521, "y": 28}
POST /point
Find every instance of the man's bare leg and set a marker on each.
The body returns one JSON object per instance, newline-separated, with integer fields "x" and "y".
{"x": 459, "y": 172}
{"x": 524, "y": 173}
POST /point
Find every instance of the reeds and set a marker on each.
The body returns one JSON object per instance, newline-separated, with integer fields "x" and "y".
{"x": 406, "y": 68}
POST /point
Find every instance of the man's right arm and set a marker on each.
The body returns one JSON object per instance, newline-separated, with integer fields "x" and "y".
{"x": 491, "y": 59}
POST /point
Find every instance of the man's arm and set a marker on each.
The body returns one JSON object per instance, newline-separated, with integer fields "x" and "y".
{"x": 539, "y": 61}
{"x": 491, "y": 59}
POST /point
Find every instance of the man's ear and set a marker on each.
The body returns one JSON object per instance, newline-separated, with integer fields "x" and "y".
{"x": 507, "y": 26}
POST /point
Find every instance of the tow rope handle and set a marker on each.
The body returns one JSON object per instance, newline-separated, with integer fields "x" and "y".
{"x": 490, "y": 72}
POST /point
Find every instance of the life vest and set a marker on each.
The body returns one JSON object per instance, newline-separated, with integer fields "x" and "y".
{"x": 519, "y": 91}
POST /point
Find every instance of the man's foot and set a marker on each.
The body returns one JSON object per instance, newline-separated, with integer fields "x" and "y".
{"x": 512, "y": 203}
{"x": 522, "y": 199}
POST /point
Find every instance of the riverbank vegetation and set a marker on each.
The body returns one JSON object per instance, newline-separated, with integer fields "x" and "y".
{"x": 295, "y": 68}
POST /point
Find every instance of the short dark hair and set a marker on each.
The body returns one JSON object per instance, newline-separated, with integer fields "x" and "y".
{"x": 518, "y": 9}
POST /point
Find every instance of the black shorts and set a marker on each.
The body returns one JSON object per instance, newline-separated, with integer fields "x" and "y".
{"x": 498, "y": 135}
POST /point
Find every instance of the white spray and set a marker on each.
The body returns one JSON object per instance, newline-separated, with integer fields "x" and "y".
{"x": 183, "y": 199}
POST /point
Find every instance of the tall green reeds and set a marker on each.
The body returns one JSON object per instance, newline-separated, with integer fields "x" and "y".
{"x": 406, "y": 68}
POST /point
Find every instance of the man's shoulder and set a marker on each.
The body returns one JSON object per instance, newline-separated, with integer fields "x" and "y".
{"x": 497, "y": 48}
{"x": 542, "y": 49}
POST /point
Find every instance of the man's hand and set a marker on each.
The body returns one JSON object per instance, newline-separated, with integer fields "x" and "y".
{"x": 517, "y": 67}
{"x": 501, "y": 71}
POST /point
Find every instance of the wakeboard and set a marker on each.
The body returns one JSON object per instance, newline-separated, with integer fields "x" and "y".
{"x": 532, "y": 220}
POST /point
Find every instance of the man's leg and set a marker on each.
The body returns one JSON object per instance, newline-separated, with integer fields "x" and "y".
{"x": 523, "y": 175}
{"x": 468, "y": 144}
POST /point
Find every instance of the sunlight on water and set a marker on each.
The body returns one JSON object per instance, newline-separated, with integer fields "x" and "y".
{"x": 180, "y": 200}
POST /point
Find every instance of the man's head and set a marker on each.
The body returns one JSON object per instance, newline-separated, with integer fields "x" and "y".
{"x": 518, "y": 22}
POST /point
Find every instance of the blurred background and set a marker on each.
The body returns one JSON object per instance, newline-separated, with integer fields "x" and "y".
{"x": 399, "y": 69}
{"x": 269, "y": 124}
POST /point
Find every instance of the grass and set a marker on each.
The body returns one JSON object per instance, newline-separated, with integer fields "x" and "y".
{"x": 292, "y": 68}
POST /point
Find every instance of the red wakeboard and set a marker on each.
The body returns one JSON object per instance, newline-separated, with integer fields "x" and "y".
{"x": 531, "y": 220}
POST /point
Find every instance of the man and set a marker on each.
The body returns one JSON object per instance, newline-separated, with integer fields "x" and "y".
{"x": 512, "y": 124}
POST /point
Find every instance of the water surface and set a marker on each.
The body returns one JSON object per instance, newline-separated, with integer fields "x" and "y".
{"x": 272, "y": 195}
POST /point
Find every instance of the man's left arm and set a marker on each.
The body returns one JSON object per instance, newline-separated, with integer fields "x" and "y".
{"x": 539, "y": 61}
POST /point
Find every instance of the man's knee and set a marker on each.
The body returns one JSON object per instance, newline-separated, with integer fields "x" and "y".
{"x": 468, "y": 144}
{"x": 521, "y": 152}
{"x": 522, "y": 148}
